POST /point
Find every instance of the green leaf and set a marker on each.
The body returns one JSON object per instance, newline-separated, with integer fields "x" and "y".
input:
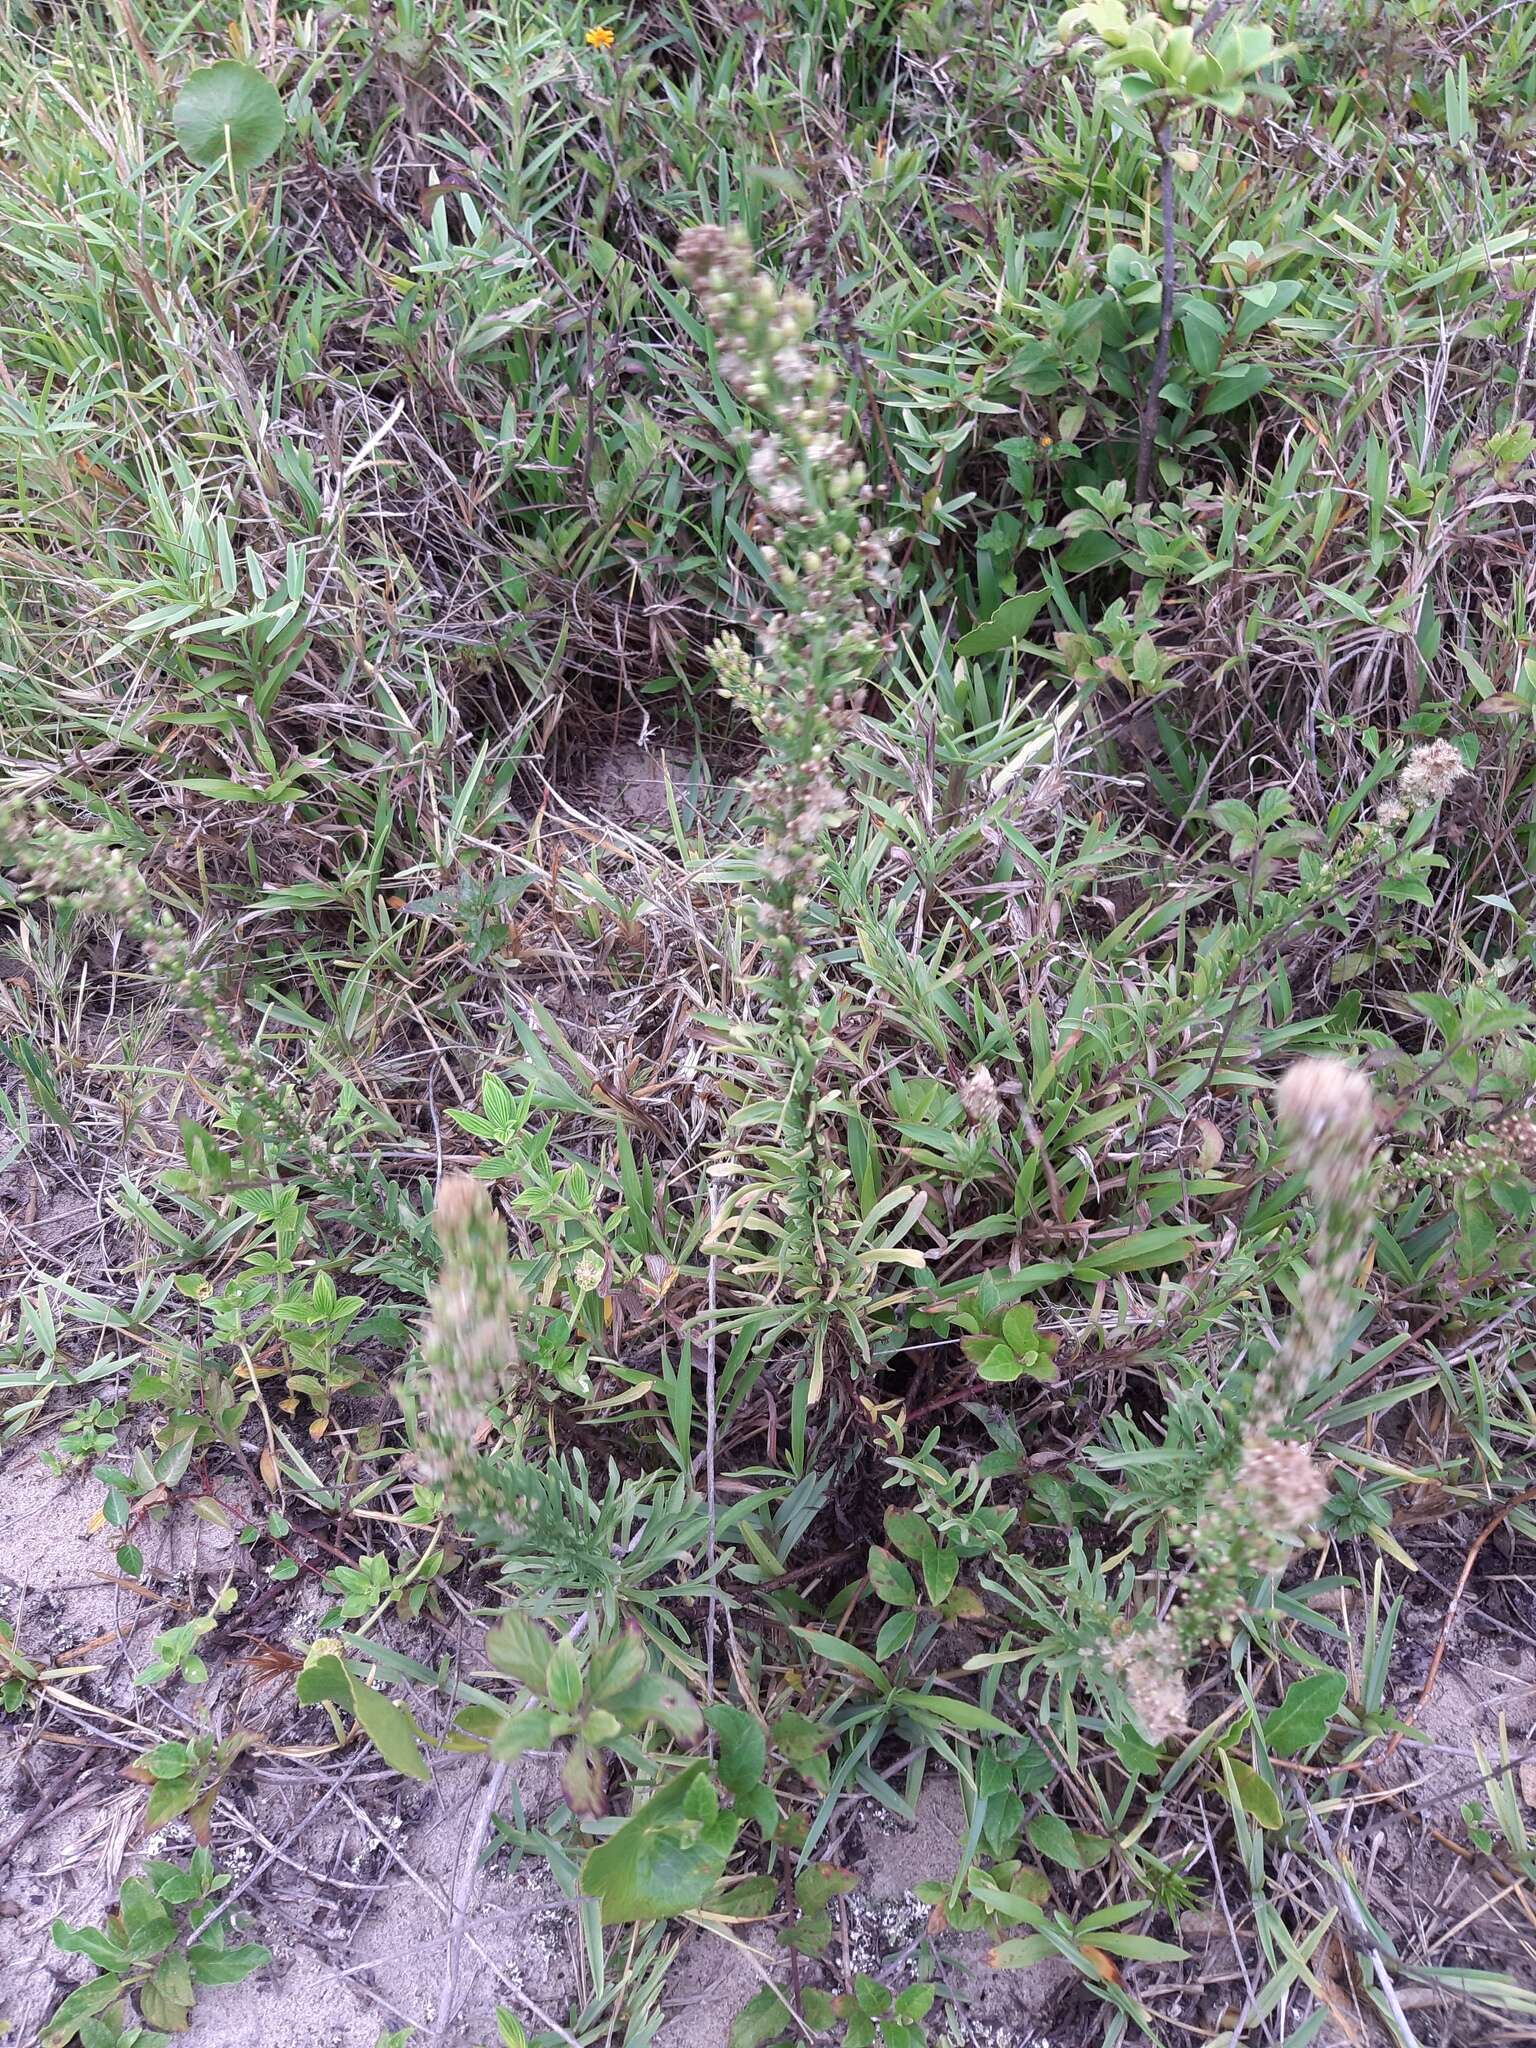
{"x": 1139, "y": 1948}
{"x": 996, "y": 1362}
{"x": 147, "y": 1927}
{"x": 114, "y": 2029}
{"x": 474, "y": 1725}
{"x": 1164, "y": 1245}
{"x": 836, "y": 1651}
{"x": 228, "y": 113}
{"x": 750, "y": 1898}
{"x": 1257, "y": 1798}
{"x": 816, "y": 1886}
{"x": 1089, "y": 551}
{"x": 581, "y": 1780}
{"x": 818, "y": 1883}
{"x": 1235, "y": 386}
{"x": 820, "y": 2009}
{"x": 896, "y": 1631}
{"x": 871, "y": 1998}
{"x": 658, "y": 1698}
{"x": 803, "y": 1744}
{"x": 908, "y": 1531}
{"x": 1134, "y": 1751}
{"x": 743, "y": 1749}
{"x": 324, "y": 1679}
{"x": 96, "y": 1944}
{"x": 615, "y": 1665}
{"x": 766, "y": 2017}
{"x": 1019, "y": 1329}
{"x": 168, "y": 1798}
{"x": 667, "y": 1857}
{"x": 940, "y": 1570}
{"x": 1032, "y": 1768}
{"x": 760, "y": 1807}
{"x": 499, "y": 1104}
{"x": 533, "y": 1728}
{"x": 891, "y": 1580}
{"x": 1010, "y": 622}
{"x": 1049, "y": 1836}
{"x": 953, "y": 1713}
{"x": 165, "y": 2001}
{"x": 520, "y": 1649}
{"x": 80, "y": 2005}
{"x": 389, "y": 1728}
{"x": 1021, "y": 1953}
{"x": 562, "y": 1683}
{"x": 915, "y": 2002}
{"x": 210, "y": 1965}
{"x": 1204, "y": 330}
{"x": 166, "y": 1760}
{"x": 1302, "y": 1717}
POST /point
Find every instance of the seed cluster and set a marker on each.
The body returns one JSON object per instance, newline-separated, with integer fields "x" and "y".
{"x": 830, "y": 568}
{"x": 1251, "y": 1522}
{"x": 1426, "y": 778}
{"x": 469, "y": 1351}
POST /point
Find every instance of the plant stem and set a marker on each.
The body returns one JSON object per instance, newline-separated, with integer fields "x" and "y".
{"x": 1151, "y": 401}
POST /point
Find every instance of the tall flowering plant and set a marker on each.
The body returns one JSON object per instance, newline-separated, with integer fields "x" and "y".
{"x": 1251, "y": 1523}
{"x": 816, "y": 648}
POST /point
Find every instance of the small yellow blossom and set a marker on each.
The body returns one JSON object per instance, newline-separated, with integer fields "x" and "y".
{"x": 599, "y": 38}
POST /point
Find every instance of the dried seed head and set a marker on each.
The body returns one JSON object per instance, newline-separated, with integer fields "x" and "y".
{"x": 469, "y": 1350}
{"x": 459, "y": 1199}
{"x": 1148, "y": 1666}
{"x": 979, "y": 1097}
{"x": 1325, "y": 1102}
{"x": 1429, "y": 775}
{"x": 1284, "y": 1489}
{"x": 1514, "y": 1141}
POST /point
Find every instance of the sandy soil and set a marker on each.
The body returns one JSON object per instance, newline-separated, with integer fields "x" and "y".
{"x": 356, "y": 1889}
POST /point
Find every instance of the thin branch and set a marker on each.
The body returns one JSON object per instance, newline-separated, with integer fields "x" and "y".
{"x": 710, "y": 1429}
{"x": 1151, "y": 400}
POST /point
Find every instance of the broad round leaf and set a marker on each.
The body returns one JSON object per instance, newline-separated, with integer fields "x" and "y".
{"x": 230, "y": 112}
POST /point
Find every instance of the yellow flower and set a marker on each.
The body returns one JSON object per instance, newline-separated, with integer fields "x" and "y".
{"x": 599, "y": 38}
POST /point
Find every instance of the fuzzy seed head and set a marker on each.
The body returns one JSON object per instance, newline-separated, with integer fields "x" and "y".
{"x": 1283, "y": 1487}
{"x": 1429, "y": 775}
{"x": 1325, "y": 1102}
{"x": 1149, "y": 1667}
{"x": 979, "y": 1097}
{"x": 460, "y": 1200}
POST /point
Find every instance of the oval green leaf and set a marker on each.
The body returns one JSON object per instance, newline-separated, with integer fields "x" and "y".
{"x": 1302, "y": 1717}
{"x": 1258, "y": 1798}
{"x": 666, "y": 1858}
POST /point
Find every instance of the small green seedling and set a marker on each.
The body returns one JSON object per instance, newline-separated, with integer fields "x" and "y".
{"x": 176, "y": 1653}
{"x": 152, "y": 1955}
{"x": 184, "y": 1779}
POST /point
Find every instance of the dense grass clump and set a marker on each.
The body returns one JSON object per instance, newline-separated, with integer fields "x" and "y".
{"x": 768, "y": 878}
